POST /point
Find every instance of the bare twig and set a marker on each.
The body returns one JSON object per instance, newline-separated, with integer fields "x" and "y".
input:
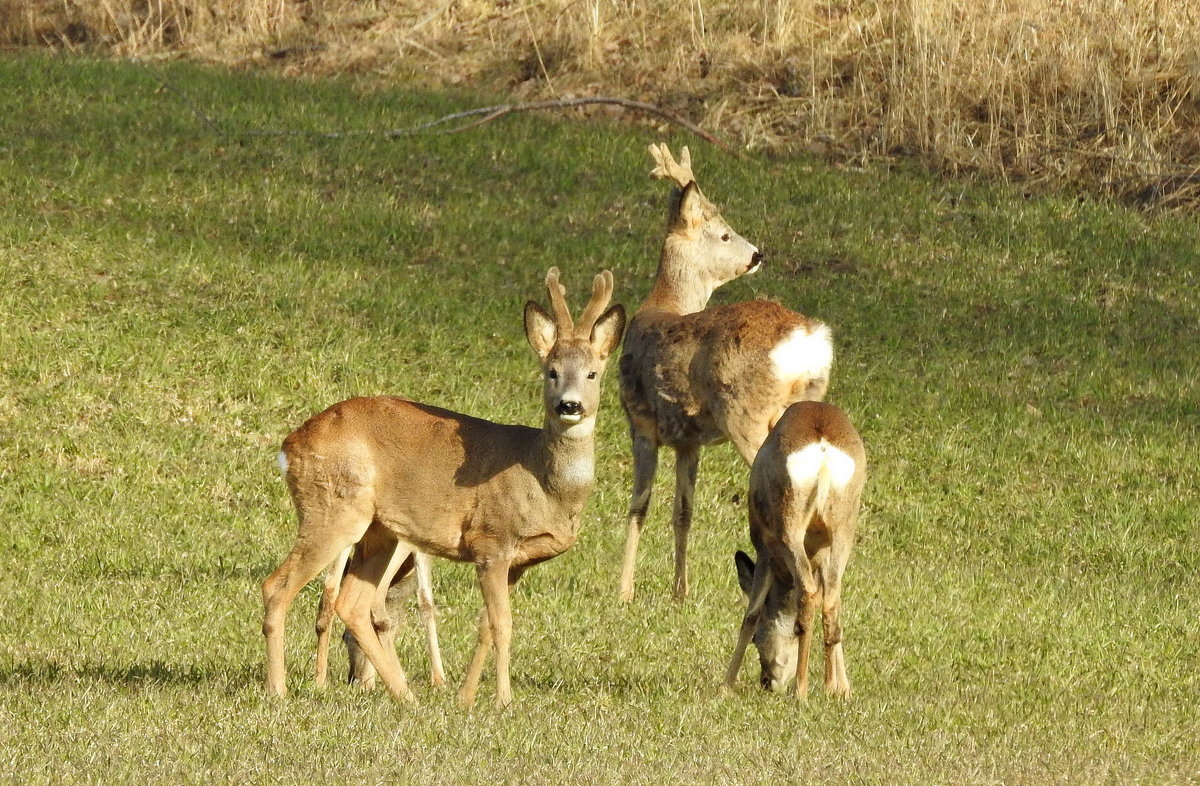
{"x": 491, "y": 113}
{"x": 185, "y": 99}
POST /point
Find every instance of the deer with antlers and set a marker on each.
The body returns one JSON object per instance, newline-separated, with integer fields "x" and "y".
{"x": 805, "y": 489}
{"x": 692, "y": 376}
{"x": 394, "y": 476}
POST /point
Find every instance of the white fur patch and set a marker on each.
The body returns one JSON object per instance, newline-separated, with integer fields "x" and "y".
{"x": 283, "y": 463}
{"x": 803, "y": 354}
{"x": 582, "y": 427}
{"x": 579, "y": 473}
{"x": 805, "y": 465}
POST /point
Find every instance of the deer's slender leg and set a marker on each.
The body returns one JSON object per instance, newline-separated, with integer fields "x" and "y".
{"x": 806, "y": 597}
{"x": 389, "y": 592}
{"x": 356, "y": 605}
{"x": 645, "y": 466}
{"x": 687, "y": 463}
{"x": 493, "y": 579}
{"x": 837, "y": 682}
{"x": 428, "y": 611}
{"x": 483, "y": 645}
{"x": 496, "y": 580}
{"x": 300, "y": 566}
{"x": 329, "y": 593}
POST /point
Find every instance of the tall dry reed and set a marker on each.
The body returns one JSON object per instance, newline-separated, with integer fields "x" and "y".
{"x": 1103, "y": 94}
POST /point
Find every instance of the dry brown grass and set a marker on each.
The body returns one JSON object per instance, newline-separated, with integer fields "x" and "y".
{"x": 1103, "y": 94}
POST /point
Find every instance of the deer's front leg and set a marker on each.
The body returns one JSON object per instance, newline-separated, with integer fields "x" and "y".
{"x": 757, "y": 594}
{"x": 495, "y": 629}
{"x": 483, "y": 643}
{"x": 495, "y": 583}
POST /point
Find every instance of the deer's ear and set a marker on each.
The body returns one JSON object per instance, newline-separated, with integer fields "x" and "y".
{"x": 606, "y": 333}
{"x": 691, "y": 207}
{"x": 745, "y": 570}
{"x": 540, "y": 330}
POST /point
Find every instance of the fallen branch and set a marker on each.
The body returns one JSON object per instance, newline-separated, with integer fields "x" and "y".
{"x": 491, "y": 113}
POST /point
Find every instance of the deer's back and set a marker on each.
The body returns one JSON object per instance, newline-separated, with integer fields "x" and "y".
{"x": 430, "y": 476}
{"x": 683, "y": 376}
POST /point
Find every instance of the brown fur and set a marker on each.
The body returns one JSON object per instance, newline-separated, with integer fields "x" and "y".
{"x": 692, "y": 376}
{"x": 698, "y": 379}
{"x": 414, "y": 574}
{"x": 394, "y": 476}
{"x": 802, "y": 529}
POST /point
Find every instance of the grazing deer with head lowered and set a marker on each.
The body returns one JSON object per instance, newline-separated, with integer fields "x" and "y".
{"x": 415, "y": 572}
{"x": 395, "y": 476}
{"x": 693, "y": 376}
{"x": 805, "y": 488}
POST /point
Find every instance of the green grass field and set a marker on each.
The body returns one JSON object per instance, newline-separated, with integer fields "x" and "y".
{"x": 179, "y": 290}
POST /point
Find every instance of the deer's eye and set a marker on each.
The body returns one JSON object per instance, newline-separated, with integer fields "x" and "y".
{"x": 552, "y": 374}
{"x": 591, "y": 375}
{"x": 725, "y": 238}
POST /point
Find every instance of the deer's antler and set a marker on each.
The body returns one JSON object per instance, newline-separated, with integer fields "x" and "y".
{"x": 680, "y": 172}
{"x": 558, "y": 302}
{"x": 602, "y": 289}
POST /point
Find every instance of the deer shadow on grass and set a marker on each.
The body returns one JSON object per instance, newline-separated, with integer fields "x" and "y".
{"x": 45, "y": 671}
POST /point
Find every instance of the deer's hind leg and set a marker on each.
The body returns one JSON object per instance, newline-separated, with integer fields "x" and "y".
{"x": 329, "y": 593}
{"x": 324, "y": 534}
{"x": 379, "y": 559}
{"x": 837, "y": 682}
{"x": 645, "y": 467}
{"x": 389, "y": 597}
{"x": 428, "y": 611}
{"x": 746, "y": 429}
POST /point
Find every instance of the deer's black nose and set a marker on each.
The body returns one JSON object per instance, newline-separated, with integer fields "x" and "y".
{"x": 756, "y": 259}
{"x": 569, "y": 408}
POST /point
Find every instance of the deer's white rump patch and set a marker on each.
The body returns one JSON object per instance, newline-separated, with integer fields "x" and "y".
{"x": 805, "y": 465}
{"x": 283, "y": 463}
{"x": 805, "y": 353}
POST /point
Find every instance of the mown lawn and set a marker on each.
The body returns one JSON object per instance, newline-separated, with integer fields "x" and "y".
{"x": 181, "y": 286}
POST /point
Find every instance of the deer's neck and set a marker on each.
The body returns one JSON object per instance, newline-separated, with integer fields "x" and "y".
{"x": 568, "y": 457}
{"x": 678, "y": 289}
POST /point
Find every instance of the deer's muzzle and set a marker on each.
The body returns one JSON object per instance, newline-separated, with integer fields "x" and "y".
{"x": 569, "y": 409}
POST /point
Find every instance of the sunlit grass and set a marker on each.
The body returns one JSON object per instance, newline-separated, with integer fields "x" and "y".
{"x": 1022, "y": 603}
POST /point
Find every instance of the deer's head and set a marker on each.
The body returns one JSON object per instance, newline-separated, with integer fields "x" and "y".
{"x": 775, "y": 638}
{"x": 701, "y": 251}
{"x": 573, "y": 356}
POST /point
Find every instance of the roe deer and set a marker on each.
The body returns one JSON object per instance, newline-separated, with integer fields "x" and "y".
{"x": 692, "y": 376}
{"x": 805, "y": 487}
{"x": 416, "y": 571}
{"x": 395, "y": 476}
